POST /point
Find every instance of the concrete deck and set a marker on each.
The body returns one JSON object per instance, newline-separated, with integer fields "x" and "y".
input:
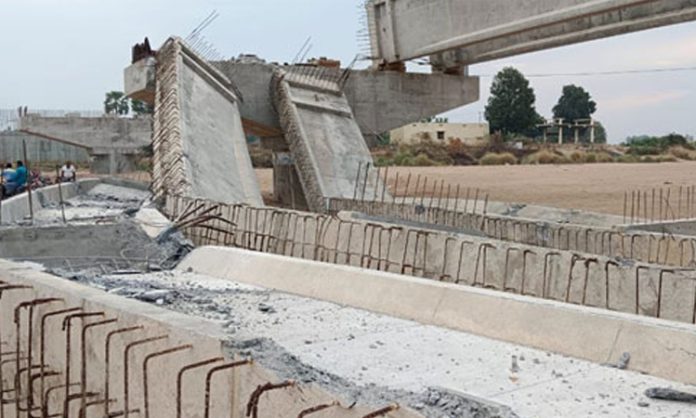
{"x": 390, "y": 354}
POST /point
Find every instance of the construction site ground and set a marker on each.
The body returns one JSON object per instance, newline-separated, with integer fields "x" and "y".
{"x": 589, "y": 187}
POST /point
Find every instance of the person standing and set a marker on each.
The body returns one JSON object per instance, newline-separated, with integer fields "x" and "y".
{"x": 68, "y": 172}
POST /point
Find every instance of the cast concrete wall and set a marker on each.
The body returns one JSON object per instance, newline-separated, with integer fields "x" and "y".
{"x": 448, "y": 255}
{"x": 659, "y": 348}
{"x": 385, "y": 100}
{"x": 82, "y": 360}
{"x": 101, "y": 135}
{"x": 39, "y": 149}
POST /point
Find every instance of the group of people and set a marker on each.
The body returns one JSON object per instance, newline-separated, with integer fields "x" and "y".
{"x": 14, "y": 179}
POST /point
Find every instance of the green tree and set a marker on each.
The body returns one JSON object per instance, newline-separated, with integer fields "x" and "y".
{"x": 511, "y": 107}
{"x": 141, "y": 108}
{"x": 574, "y": 104}
{"x": 116, "y": 103}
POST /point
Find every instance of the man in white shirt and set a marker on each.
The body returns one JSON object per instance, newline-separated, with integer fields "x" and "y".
{"x": 68, "y": 172}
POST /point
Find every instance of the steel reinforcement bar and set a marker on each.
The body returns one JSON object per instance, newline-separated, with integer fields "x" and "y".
{"x": 570, "y": 276}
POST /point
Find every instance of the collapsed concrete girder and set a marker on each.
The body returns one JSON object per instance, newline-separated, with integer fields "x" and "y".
{"x": 324, "y": 138}
{"x": 199, "y": 145}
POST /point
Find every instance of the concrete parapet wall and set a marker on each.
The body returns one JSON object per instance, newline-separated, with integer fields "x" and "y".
{"x": 447, "y": 255}
{"x": 659, "y": 348}
{"x": 66, "y": 330}
{"x": 16, "y": 208}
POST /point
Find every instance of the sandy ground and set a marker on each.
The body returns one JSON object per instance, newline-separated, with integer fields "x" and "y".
{"x": 592, "y": 187}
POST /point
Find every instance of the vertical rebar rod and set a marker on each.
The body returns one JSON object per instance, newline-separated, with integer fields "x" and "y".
{"x": 28, "y": 180}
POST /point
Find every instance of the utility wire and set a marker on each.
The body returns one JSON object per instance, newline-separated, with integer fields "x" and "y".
{"x": 607, "y": 73}
{"x": 423, "y": 62}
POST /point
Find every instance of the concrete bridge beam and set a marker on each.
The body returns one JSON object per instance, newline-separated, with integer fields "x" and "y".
{"x": 484, "y": 30}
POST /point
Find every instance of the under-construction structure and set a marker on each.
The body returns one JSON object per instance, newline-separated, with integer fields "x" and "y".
{"x": 193, "y": 298}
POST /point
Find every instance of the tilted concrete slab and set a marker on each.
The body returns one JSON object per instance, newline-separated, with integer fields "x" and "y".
{"x": 199, "y": 145}
{"x": 483, "y": 30}
{"x": 324, "y": 138}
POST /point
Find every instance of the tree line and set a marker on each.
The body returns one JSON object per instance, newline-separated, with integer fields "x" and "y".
{"x": 511, "y": 109}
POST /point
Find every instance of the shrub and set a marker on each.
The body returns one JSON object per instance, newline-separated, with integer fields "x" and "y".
{"x": 628, "y": 159}
{"x": 578, "y": 157}
{"x": 683, "y": 153}
{"x": 545, "y": 157}
{"x": 422, "y": 160}
{"x": 667, "y": 159}
{"x": 591, "y": 158}
{"x": 653, "y": 145}
{"x": 603, "y": 157}
{"x": 492, "y": 158}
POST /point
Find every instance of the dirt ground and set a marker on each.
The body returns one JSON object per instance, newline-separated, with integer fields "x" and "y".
{"x": 592, "y": 187}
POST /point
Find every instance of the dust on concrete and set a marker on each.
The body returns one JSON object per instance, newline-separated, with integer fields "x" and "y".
{"x": 101, "y": 203}
{"x": 224, "y": 304}
{"x": 434, "y": 402}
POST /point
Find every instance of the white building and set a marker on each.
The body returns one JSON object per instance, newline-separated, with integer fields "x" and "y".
{"x": 469, "y": 133}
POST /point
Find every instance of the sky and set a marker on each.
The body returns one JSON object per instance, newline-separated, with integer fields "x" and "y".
{"x": 65, "y": 54}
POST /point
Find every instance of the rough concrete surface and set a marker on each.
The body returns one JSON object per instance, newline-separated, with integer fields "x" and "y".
{"x": 324, "y": 138}
{"x": 211, "y": 121}
{"x": 379, "y": 357}
{"x": 107, "y": 228}
{"x": 101, "y": 202}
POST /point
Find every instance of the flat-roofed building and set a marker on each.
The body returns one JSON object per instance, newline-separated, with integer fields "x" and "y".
{"x": 469, "y": 133}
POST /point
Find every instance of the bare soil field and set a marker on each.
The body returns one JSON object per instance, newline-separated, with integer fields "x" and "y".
{"x": 591, "y": 187}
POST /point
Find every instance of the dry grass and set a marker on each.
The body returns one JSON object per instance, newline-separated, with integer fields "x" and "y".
{"x": 545, "y": 157}
{"x": 492, "y": 158}
{"x": 683, "y": 153}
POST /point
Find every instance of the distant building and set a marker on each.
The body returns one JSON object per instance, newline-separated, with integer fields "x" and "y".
{"x": 469, "y": 133}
